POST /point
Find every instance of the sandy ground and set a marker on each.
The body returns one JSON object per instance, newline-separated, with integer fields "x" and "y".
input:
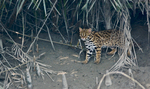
{"x": 83, "y": 76}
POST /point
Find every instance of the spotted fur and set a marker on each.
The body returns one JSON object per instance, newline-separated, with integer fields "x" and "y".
{"x": 95, "y": 41}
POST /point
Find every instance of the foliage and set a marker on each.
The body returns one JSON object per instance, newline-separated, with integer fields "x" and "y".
{"x": 31, "y": 17}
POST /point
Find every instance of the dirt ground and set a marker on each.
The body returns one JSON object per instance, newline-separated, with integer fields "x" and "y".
{"x": 83, "y": 76}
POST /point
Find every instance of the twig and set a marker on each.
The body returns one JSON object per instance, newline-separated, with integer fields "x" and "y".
{"x": 138, "y": 45}
{"x": 50, "y": 37}
{"x": 65, "y": 20}
{"x": 117, "y": 72}
{"x": 148, "y": 22}
{"x": 6, "y": 60}
{"x": 48, "y": 40}
{"x": 7, "y": 32}
{"x": 41, "y": 27}
{"x": 55, "y": 7}
{"x": 59, "y": 31}
{"x": 1, "y": 46}
{"x": 23, "y": 31}
{"x": 32, "y": 40}
{"x": 49, "y": 76}
{"x": 19, "y": 65}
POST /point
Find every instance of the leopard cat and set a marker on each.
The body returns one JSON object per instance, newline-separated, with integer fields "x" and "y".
{"x": 95, "y": 41}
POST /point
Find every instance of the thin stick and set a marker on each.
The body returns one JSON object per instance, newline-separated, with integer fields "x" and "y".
{"x": 7, "y": 32}
{"x": 55, "y": 8}
{"x": 23, "y": 30}
{"x": 65, "y": 20}
{"x": 1, "y": 45}
{"x": 50, "y": 37}
{"x": 117, "y": 72}
{"x": 32, "y": 40}
{"x": 49, "y": 76}
{"x": 37, "y": 48}
{"x": 59, "y": 31}
{"x": 47, "y": 40}
{"x": 6, "y": 60}
{"x": 21, "y": 64}
{"x": 41, "y": 27}
{"x": 147, "y": 13}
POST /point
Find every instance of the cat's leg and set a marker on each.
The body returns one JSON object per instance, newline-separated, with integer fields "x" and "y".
{"x": 88, "y": 55}
{"x": 98, "y": 55}
{"x": 113, "y": 51}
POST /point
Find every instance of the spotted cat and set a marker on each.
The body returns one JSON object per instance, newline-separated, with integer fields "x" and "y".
{"x": 95, "y": 41}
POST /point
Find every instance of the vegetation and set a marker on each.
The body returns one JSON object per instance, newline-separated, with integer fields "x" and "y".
{"x": 29, "y": 18}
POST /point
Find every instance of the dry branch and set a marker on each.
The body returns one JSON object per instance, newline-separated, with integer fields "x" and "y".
{"x": 117, "y": 72}
{"x": 42, "y": 26}
{"x": 50, "y": 37}
{"x": 47, "y": 40}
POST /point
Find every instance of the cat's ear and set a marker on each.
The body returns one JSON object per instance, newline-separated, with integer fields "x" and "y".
{"x": 80, "y": 29}
{"x": 89, "y": 30}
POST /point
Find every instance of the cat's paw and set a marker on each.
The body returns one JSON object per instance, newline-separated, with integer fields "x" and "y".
{"x": 96, "y": 61}
{"x": 84, "y": 62}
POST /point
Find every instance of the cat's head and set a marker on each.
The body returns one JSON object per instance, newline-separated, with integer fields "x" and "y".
{"x": 84, "y": 33}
